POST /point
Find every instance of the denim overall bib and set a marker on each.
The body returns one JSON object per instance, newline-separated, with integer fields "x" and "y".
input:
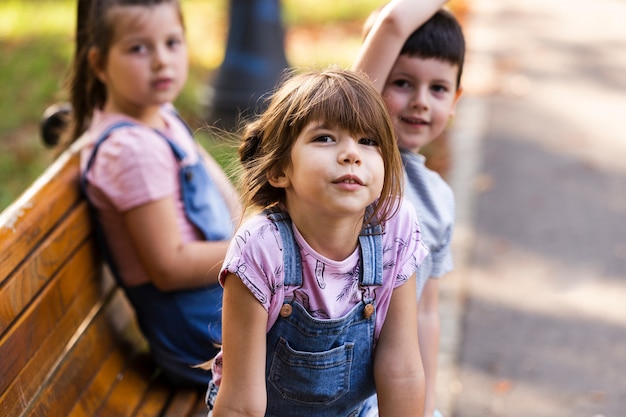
{"x": 182, "y": 327}
{"x": 321, "y": 368}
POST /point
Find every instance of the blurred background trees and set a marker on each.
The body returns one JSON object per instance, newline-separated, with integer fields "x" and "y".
{"x": 36, "y": 45}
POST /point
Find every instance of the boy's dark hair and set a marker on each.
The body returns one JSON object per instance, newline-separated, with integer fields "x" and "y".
{"x": 441, "y": 38}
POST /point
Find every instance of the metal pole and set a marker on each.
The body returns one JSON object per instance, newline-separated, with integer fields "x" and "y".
{"x": 253, "y": 62}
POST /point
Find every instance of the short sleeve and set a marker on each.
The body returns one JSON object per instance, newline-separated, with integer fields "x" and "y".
{"x": 255, "y": 256}
{"x": 134, "y": 166}
{"x": 404, "y": 249}
{"x": 442, "y": 256}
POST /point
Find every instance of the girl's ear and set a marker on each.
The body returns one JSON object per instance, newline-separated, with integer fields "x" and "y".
{"x": 278, "y": 179}
{"x": 96, "y": 63}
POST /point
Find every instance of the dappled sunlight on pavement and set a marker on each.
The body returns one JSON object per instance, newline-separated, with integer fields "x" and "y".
{"x": 539, "y": 148}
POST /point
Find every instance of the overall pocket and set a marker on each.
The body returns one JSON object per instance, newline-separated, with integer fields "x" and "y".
{"x": 315, "y": 378}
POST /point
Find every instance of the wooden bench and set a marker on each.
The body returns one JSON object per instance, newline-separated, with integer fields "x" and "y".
{"x": 69, "y": 342}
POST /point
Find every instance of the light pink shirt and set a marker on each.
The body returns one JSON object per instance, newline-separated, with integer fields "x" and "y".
{"x": 330, "y": 288}
{"x": 133, "y": 167}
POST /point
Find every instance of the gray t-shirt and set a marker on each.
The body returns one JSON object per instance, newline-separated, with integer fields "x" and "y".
{"x": 433, "y": 200}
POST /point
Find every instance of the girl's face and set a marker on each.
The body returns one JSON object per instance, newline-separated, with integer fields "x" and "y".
{"x": 332, "y": 172}
{"x": 421, "y": 96}
{"x": 147, "y": 62}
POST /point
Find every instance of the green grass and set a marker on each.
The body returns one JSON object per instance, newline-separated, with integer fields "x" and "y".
{"x": 36, "y": 45}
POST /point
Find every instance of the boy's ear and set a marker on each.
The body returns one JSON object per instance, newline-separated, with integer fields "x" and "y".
{"x": 278, "y": 179}
{"x": 457, "y": 96}
{"x": 96, "y": 63}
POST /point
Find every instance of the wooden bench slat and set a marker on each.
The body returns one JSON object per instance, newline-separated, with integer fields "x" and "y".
{"x": 27, "y": 221}
{"x": 131, "y": 388}
{"x": 201, "y": 409}
{"x": 116, "y": 365}
{"x": 91, "y": 398}
{"x": 156, "y": 399}
{"x": 44, "y": 366}
{"x": 44, "y": 262}
{"x": 183, "y": 403}
{"x": 67, "y": 300}
{"x": 72, "y": 378}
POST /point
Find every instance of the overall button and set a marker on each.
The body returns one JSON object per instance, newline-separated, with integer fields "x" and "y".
{"x": 368, "y": 311}
{"x": 285, "y": 310}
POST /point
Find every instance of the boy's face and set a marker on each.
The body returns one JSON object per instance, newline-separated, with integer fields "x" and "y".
{"x": 421, "y": 96}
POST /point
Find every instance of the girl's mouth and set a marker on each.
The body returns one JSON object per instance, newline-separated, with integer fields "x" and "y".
{"x": 162, "y": 83}
{"x": 349, "y": 179}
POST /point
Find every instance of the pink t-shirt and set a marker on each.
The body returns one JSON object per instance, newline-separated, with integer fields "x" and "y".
{"x": 330, "y": 288}
{"x": 135, "y": 166}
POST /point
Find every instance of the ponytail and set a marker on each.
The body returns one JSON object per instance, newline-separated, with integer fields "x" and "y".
{"x": 86, "y": 91}
{"x": 249, "y": 147}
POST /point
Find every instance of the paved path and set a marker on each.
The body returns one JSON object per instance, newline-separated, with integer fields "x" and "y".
{"x": 534, "y": 318}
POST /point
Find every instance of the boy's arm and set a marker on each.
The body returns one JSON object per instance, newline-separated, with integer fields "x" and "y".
{"x": 242, "y": 391}
{"x": 429, "y": 327}
{"x": 391, "y": 28}
{"x": 398, "y": 370}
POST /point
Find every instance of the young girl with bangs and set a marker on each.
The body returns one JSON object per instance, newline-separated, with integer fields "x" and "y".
{"x": 319, "y": 307}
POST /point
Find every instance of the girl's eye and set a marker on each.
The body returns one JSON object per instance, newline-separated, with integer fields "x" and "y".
{"x": 368, "y": 142}
{"x": 138, "y": 49}
{"x": 174, "y": 42}
{"x": 323, "y": 138}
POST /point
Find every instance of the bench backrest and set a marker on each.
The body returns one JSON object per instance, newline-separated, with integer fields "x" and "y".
{"x": 69, "y": 345}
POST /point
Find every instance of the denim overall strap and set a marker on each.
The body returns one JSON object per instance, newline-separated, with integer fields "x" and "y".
{"x": 104, "y": 248}
{"x": 371, "y": 247}
{"x": 204, "y": 206}
{"x": 291, "y": 252}
{"x": 178, "y": 152}
{"x": 92, "y": 158}
{"x": 370, "y": 243}
{"x": 106, "y": 253}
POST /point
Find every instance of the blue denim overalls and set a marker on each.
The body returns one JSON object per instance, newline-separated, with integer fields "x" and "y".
{"x": 321, "y": 368}
{"x": 182, "y": 327}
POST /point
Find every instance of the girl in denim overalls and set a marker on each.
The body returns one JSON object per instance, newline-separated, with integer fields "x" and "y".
{"x": 164, "y": 209}
{"x": 319, "y": 282}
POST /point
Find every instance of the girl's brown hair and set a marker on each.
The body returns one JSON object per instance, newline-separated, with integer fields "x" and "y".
{"x": 336, "y": 97}
{"x": 95, "y": 28}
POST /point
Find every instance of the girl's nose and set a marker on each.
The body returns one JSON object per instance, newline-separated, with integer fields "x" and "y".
{"x": 159, "y": 58}
{"x": 349, "y": 153}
